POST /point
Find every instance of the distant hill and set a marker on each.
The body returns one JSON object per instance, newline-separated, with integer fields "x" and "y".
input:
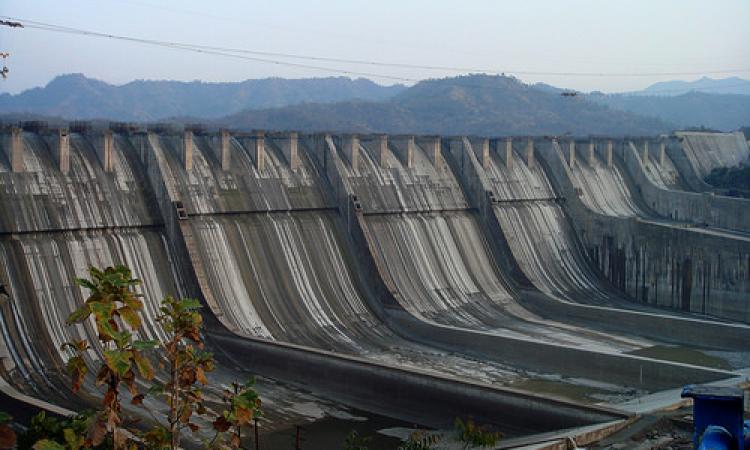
{"x": 474, "y": 104}
{"x": 725, "y": 112}
{"x": 733, "y": 85}
{"x": 76, "y": 96}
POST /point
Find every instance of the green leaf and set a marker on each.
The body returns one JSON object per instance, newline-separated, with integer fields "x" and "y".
{"x": 190, "y": 304}
{"x": 156, "y": 389}
{"x": 77, "y": 369}
{"x": 5, "y": 417}
{"x": 73, "y": 439}
{"x": 144, "y": 365}
{"x": 86, "y": 283}
{"x": 103, "y": 314}
{"x": 118, "y": 361}
{"x": 76, "y": 346}
{"x": 46, "y": 444}
{"x": 145, "y": 345}
{"x": 130, "y": 316}
{"x": 122, "y": 338}
{"x": 79, "y": 314}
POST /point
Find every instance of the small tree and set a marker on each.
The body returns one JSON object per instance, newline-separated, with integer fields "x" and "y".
{"x": 354, "y": 441}
{"x": 243, "y": 405}
{"x": 187, "y": 364}
{"x": 115, "y": 309}
{"x": 473, "y": 435}
{"x": 52, "y": 433}
{"x": 7, "y": 435}
{"x": 420, "y": 440}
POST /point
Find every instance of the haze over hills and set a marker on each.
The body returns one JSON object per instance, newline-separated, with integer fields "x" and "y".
{"x": 722, "y": 104}
{"x": 76, "y": 96}
{"x": 477, "y": 104}
{"x": 474, "y": 104}
{"x": 723, "y": 112}
{"x": 732, "y": 85}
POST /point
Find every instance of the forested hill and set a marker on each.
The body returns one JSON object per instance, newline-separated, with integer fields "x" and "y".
{"x": 78, "y": 97}
{"x": 474, "y": 104}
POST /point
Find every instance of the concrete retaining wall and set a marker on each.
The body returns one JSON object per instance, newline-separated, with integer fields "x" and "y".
{"x": 653, "y": 325}
{"x": 705, "y": 209}
{"x": 660, "y": 264}
{"x": 429, "y": 399}
{"x": 633, "y": 371}
{"x": 524, "y": 353}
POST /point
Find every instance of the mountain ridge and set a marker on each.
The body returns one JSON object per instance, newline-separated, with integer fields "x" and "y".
{"x": 74, "y": 95}
{"x": 731, "y": 85}
{"x": 470, "y": 104}
{"x": 475, "y": 104}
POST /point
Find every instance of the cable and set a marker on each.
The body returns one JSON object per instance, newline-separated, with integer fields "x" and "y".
{"x": 228, "y": 51}
{"x": 204, "y": 50}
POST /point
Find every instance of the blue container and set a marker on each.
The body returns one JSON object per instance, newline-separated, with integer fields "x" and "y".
{"x": 717, "y": 417}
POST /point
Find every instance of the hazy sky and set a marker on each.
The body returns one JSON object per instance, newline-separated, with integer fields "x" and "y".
{"x": 603, "y": 36}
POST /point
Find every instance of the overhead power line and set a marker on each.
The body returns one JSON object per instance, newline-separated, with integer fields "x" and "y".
{"x": 199, "y": 49}
{"x": 264, "y": 56}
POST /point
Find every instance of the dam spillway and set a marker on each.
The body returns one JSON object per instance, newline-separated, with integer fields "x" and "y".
{"x": 373, "y": 255}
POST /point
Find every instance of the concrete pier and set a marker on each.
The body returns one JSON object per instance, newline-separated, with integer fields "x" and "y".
{"x": 105, "y": 150}
{"x": 14, "y": 151}
{"x": 644, "y": 156}
{"x": 62, "y": 150}
{"x": 509, "y": 153}
{"x": 351, "y": 150}
{"x": 572, "y": 154}
{"x": 530, "y": 153}
{"x": 403, "y": 147}
{"x": 610, "y": 150}
{"x": 382, "y": 150}
{"x": 187, "y": 150}
{"x": 289, "y": 144}
{"x": 260, "y": 150}
{"x": 484, "y": 153}
{"x": 432, "y": 147}
{"x": 225, "y": 155}
{"x": 662, "y": 152}
{"x": 592, "y": 152}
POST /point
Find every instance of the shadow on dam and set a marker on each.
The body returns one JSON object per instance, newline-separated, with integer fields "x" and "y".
{"x": 367, "y": 272}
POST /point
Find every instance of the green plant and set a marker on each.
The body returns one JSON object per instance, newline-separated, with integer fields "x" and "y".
{"x": 473, "y": 435}
{"x": 7, "y": 435}
{"x": 243, "y": 405}
{"x": 115, "y": 309}
{"x": 52, "y": 432}
{"x": 354, "y": 441}
{"x": 420, "y": 440}
{"x": 187, "y": 363}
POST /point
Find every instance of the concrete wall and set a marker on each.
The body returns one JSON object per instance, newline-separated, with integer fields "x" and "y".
{"x": 705, "y": 209}
{"x": 170, "y": 191}
{"x": 648, "y": 324}
{"x": 13, "y": 148}
{"x": 631, "y": 371}
{"x": 660, "y": 264}
{"x": 408, "y": 394}
{"x": 353, "y": 380}
{"x": 644, "y": 373}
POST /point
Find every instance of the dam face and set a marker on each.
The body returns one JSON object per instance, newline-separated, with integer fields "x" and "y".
{"x": 384, "y": 271}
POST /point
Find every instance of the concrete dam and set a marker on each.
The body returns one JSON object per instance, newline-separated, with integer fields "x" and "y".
{"x": 380, "y": 273}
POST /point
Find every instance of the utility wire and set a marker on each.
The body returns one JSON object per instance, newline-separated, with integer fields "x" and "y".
{"x": 227, "y": 51}
{"x": 243, "y": 54}
{"x": 200, "y": 49}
